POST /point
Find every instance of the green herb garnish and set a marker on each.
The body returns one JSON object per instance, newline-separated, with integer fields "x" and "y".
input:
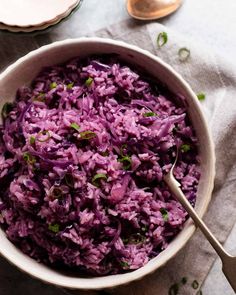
{"x": 195, "y": 284}
{"x": 125, "y": 240}
{"x": 185, "y": 148}
{"x": 26, "y": 156}
{"x": 29, "y": 158}
{"x": 70, "y": 85}
{"x": 44, "y": 133}
{"x": 199, "y": 292}
{"x": 174, "y": 289}
{"x": 75, "y": 126}
{"x": 69, "y": 179}
{"x": 184, "y": 280}
{"x": 201, "y": 96}
{"x": 162, "y": 39}
{"x": 6, "y": 109}
{"x": 57, "y": 193}
{"x": 184, "y": 54}
{"x": 53, "y": 85}
{"x": 54, "y": 227}
{"x": 96, "y": 179}
{"x": 123, "y": 147}
{"x": 40, "y": 97}
{"x": 124, "y": 264}
{"x": 137, "y": 239}
{"x": 87, "y": 135}
{"x": 164, "y": 214}
{"x": 144, "y": 228}
{"x": 89, "y": 81}
{"x": 105, "y": 154}
{"x": 32, "y": 140}
{"x": 126, "y": 161}
{"x": 149, "y": 114}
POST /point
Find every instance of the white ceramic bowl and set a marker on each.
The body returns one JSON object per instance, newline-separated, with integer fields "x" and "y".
{"x": 23, "y": 72}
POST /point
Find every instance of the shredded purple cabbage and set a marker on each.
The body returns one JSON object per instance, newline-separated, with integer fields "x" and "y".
{"x": 82, "y": 157}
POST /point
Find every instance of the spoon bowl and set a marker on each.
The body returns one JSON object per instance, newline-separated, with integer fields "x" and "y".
{"x": 152, "y": 9}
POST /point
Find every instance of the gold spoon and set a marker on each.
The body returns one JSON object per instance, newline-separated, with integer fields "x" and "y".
{"x": 152, "y": 9}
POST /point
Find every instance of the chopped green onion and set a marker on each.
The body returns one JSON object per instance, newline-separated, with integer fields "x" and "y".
{"x": 123, "y": 147}
{"x": 184, "y": 280}
{"x": 174, "y": 289}
{"x": 69, "y": 179}
{"x": 54, "y": 227}
{"x": 6, "y": 109}
{"x": 185, "y": 148}
{"x": 26, "y": 156}
{"x": 57, "y": 193}
{"x": 53, "y": 85}
{"x": 184, "y": 54}
{"x": 201, "y": 96}
{"x": 75, "y": 126}
{"x": 32, "y": 140}
{"x": 29, "y": 158}
{"x": 105, "y": 154}
{"x": 162, "y": 39}
{"x": 89, "y": 81}
{"x": 195, "y": 284}
{"x": 36, "y": 168}
{"x": 144, "y": 228}
{"x": 40, "y": 97}
{"x": 164, "y": 214}
{"x": 134, "y": 239}
{"x": 124, "y": 264}
{"x": 126, "y": 161}
{"x": 87, "y": 135}
{"x": 137, "y": 239}
{"x": 44, "y": 133}
{"x": 98, "y": 177}
{"x": 70, "y": 85}
{"x": 125, "y": 240}
{"x": 149, "y": 114}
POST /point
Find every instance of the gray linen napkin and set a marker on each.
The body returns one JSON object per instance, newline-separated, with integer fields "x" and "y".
{"x": 211, "y": 75}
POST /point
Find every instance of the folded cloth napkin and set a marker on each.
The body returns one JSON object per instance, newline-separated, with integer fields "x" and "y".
{"x": 211, "y": 75}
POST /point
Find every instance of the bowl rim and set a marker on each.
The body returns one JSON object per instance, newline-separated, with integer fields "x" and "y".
{"x": 96, "y": 283}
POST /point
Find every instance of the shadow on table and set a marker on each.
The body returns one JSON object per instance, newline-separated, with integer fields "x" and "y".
{"x": 14, "y": 46}
{"x": 14, "y": 282}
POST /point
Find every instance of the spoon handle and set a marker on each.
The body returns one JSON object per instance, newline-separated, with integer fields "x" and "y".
{"x": 174, "y": 187}
{"x": 228, "y": 261}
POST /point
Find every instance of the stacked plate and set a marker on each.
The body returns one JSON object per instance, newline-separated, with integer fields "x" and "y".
{"x": 34, "y": 15}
